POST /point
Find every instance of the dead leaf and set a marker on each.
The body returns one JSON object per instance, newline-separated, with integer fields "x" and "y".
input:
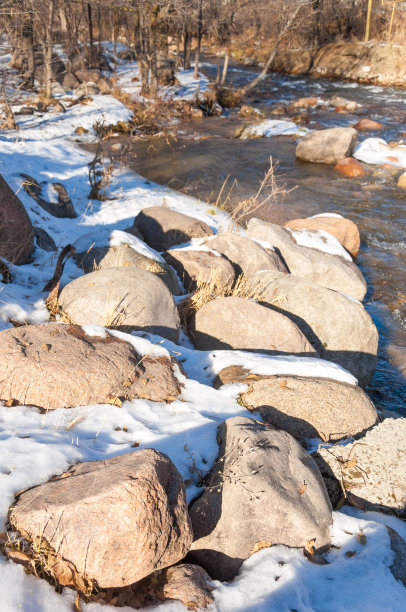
{"x": 135, "y": 445}
{"x": 76, "y": 606}
{"x": 361, "y": 538}
{"x": 171, "y": 398}
{"x": 252, "y": 377}
{"x": 350, "y": 463}
{"x": 115, "y": 401}
{"x": 302, "y": 489}
{"x": 259, "y": 546}
{"x": 309, "y": 547}
{"x": 3, "y": 538}
{"x": 9, "y": 403}
{"x": 18, "y": 557}
{"x": 317, "y": 560}
{"x": 283, "y": 383}
{"x": 46, "y": 347}
{"x": 355, "y": 501}
{"x": 350, "y": 553}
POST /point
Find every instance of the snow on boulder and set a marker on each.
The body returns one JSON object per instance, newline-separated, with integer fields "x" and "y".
{"x": 200, "y": 266}
{"x": 110, "y": 522}
{"x": 377, "y": 151}
{"x": 372, "y": 470}
{"x": 346, "y": 231}
{"x": 61, "y": 366}
{"x": 264, "y": 489}
{"x": 273, "y": 127}
{"x": 325, "y": 269}
{"x": 327, "y": 146}
{"x": 16, "y": 233}
{"x": 122, "y": 298}
{"x": 163, "y": 227}
{"x": 246, "y": 255}
{"x": 338, "y": 327}
{"x": 238, "y": 323}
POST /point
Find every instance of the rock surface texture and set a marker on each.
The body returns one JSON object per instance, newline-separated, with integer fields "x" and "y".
{"x": 344, "y": 230}
{"x": 327, "y": 270}
{"x": 123, "y": 298}
{"x": 327, "y": 146}
{"x": 16, "y": 232}
{"x": 43, "y": 360}
{"x": 199, "y": 266}
{"x": 339, "y": 328}
{"x": 239, "y": 323}
{"x": 163, "y": 227}
{"x": 255, "y": 497}
{"x": 189, "y": 584}
{"x": 372, "y": 470}
{"x": 115, "y": 521}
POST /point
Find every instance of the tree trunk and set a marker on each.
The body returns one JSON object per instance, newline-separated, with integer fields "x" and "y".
{"x": 199, "y": 38}
{"x": 177, "y": 63}
{"x": 48, "y": 49}
{"x": 187, "y": 43}
{"x": 225, "y": 65}
{"x": 99, "y": 37}
{"x": 28, "y": 49}
{"x": 91, "y": 39}
{"x": 261, "y": 76}
{"x": 141, "y": 50}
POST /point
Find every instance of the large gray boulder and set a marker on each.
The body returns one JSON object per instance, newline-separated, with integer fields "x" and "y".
{"x": 311, "y": 407}
{"x": 239, "y": 323}
{"x": 109, "y": 523}
{"x": 163, "y": 227}
{"x": 246, "y": 255}
{"x": 123, "y": 298}
{"x": 372, "y": 471}
{"x": 327, "y": 146}
{"x": 124, "y": 256}
{"x": 195, "y": 267}
{"x": 339, "y": 328}
{"x": 331, "y": 271}
{"x": 264, "y": 489}
{"x": 16, "y": 233}
{"x": 60, "y": 366}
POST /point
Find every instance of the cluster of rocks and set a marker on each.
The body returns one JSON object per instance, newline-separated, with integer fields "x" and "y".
{"x": 122, "y": 526}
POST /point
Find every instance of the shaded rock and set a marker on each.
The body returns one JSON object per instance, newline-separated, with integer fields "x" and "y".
{"x": 327, "y": 146}
{"x": 239, "y": 323}
{"x": 303, "y": 103}
{"x": 402, "y": 181}
{"x": 343, "y": 104}
{"x": 311, "y": 407}
{"x": 105, "y": 85}
{"x": 88, "y": 75}
{"x": 247, "y": 256}
{"x": 162, "y": 227}
{"x": 254, "y": 498}
{"x": 331, "y": 271}
{"x": 16, "y": 232}
{"x": 69, "y": 81}
{"x": 123, "y": 298}
{"x": 250, "y": 112}
{"x": 372, "y": 471}
{"x": 87, "y": 89}
{"x": 188, "y": 584}
{"x": 59, "y": 108}
{"x": 346, "y": 231}
{"x": 62, "y": 209}
{"x": 25, "y": 110}
{"x": 194, "y": 266}
{"x": 398, "y": 545}
{"x": 349, "y": 166}
{"x": 123, "y": 256}
{"x": 339, "y": 328}
{"x": 45, "y": 359}
{"x": 368, "y": 124}
{"x": 115, "y": 521}
{"x": 44, "y": 240}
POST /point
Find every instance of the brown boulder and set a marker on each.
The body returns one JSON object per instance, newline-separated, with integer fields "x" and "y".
{"x": 86, "y": 76}
{"x": 349, "y": 166}
{"x": 246, "y": 255}
{"x": 199, "y": 266}
{"x": 43, "y": 360}
{"x": 402, "y": 181}
{"x": 255, "y": 498}
{"x": 16, "y": 233}
{"x": 303, "y": 103}
{"x": 239, "y": 323}
{"x": 368, "y": 124}
{"x": 162, "y": 227}
{"x": 327, "y": 146}
{"x": 188, "y": 584}
{"x": 69, "y": 81}
{"x": 346, "y": 231}
{"x": 113, "y": 521}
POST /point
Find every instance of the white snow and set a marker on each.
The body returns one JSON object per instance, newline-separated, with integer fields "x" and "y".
{"x": 327, "y": 214}
{"x": 377, "y": 151}
{"x": 273, "y": 127}
{"x": 320, "y": 240}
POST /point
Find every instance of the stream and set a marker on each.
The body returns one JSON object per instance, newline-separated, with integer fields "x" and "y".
{"x": 205, "y": 154}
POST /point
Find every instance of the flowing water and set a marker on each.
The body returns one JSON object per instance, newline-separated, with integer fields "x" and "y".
{"x": 205, "y": 154}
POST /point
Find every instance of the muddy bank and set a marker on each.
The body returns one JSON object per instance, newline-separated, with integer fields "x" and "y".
{"x": 378, "y": 63}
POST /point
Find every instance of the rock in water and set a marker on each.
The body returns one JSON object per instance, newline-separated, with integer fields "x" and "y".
{"x": 163, "y": 227}
{"x": 16, "y": 233}
{"x": 115, "y": 521}
{"x": 327, "y": 146}
{"x": 43, "y": 360}
{"x": 123, "y": 298}
{"x": 264, "y": 489}
{"x": 239, "y": 323}
{"x": 346, "y": 231}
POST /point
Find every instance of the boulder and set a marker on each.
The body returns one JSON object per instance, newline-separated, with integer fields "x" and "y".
{"x": 87, "y": 89}
{"x": 43, "y": 360}
{"x": 398, "y": 546}
{"x": 88, "y": 75}
{"x": 349, "y": 166}
{"x": 310, "y": 407}
{"x": 111, "y": 522}
{"x": 343, "y": 104}
{"x": 368, "y": 124}
{"x": 124, "y": 256}
{"x": 246, "y": 255}
{"x": 327, "y": 146}
{"x": 69, "y": 81}
{"x": 372, "y": 471}
{"x": 303, "y": 103}
{"x": 239, "y": 323}
{"x": 339, "y": 328}
{"x": 188, "y": 584}
{"x": 264, "y": 489}
{"x": 16, "y": 233}
{"x": 331, "y": 271}
{"x": 43, "y": 240}
{"x": 61, "y": 209}
{"x": 402, "y": 181}
{"x": 346, "y": 231}
{"x": 200, "y": 266}
{"x": 163, "y": 227}
{"x": 123, "y": 298}
{"x": 105, "y": 85}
